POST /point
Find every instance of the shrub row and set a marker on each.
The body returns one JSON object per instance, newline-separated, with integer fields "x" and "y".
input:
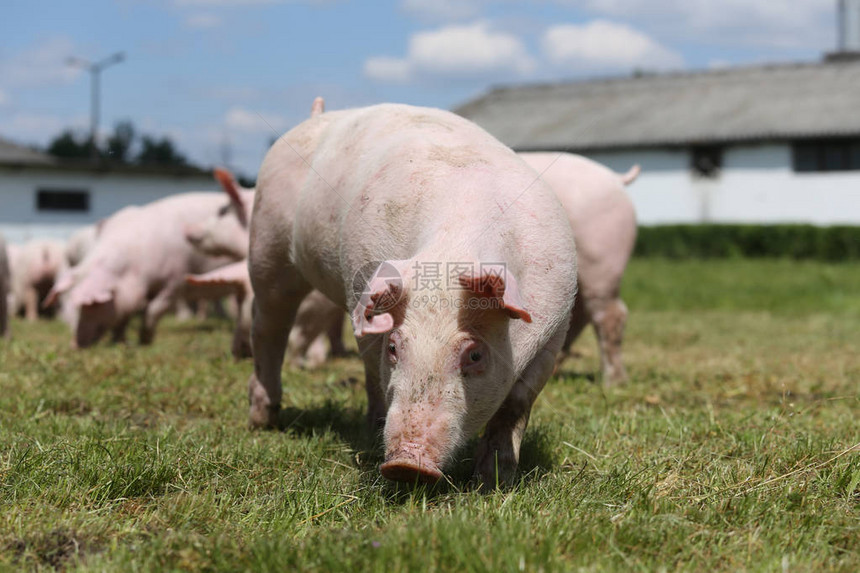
{"x": 838, "y": 243}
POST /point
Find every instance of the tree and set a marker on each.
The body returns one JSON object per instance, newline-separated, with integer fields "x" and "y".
{"x": 118, "y": 148}
{"x": 68, "y": 146}
{"x": 119, "y": 144}
{"x": 160, "y": 152}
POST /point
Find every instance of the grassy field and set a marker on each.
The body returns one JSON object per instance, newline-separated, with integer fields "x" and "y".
{"x": 730, "y": 449}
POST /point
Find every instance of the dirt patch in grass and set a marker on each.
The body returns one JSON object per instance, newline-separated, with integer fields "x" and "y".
{"x": 55, "y": 548}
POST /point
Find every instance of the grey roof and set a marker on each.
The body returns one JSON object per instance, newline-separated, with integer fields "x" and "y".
{"x": 14, "y": 154}
{"x": 771, "y": 102}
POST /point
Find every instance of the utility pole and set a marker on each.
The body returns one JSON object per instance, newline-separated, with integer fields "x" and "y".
{"x": 95, "y": 70}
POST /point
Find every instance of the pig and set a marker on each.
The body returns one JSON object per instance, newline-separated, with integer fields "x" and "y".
{"x": 226, "y": 233}
{"x": 604, "y": 228}
{"x": 34, "y": 268}
{"x": 80, "y": 243}
{"x": 4, "y": 289}
{"x": 139, "y": 264}
{"x": 457, "y": 262}
{"x": 230, "y": 281}
{"x": 306, "y": 344}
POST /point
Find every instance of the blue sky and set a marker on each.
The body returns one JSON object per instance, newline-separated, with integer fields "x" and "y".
{"x": 232, "y": 74}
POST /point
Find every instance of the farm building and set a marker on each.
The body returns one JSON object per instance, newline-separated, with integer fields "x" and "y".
{"x": 41, "y": 196}
{"x": 760, "y": 144}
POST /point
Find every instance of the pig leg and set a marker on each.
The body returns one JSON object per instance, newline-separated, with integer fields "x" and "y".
{"x": 31, "y": 304}
{"x": 202, "y": 312}
{"x": 578, "y": 319}
{"x": 499, "y": 449}
{"x": 183, "y": 310}
{"x": 609, "y": 319}
{"x": 242, "y": 333}
{"x": 4, "y": 314}
{"x": 335, "y": 336}
{"x": 156, "y": 308}
{"x": 275, "y": 308}
{"x": 316, "y": 354}
{"x": 370, "y": 348}
{"x": 118, "y": 331}
{"x": 297, "y": 345}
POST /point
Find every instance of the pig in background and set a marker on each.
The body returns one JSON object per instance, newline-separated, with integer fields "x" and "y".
{"x": 400, "y": 189}
{"x": 226, "y": 234}
{"x": 4, "y": 289}
{"x": 137, "y": 265}
{"x": 317, "y": 318}
{"x": 604, "y": 228}
{"x": 80, "y": 243}
{"x": 34, "y": 268}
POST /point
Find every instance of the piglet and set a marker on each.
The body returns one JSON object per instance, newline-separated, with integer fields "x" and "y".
{"x": 34, "y": 267}
{"x": 138, "y": 264}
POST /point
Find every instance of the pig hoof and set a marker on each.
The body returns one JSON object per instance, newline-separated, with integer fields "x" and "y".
{"x": 263, "y": 418}
{"x": 410, "y": 471}
{"x": 495, "y": 469}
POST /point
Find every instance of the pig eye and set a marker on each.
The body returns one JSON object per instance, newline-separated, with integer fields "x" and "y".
{"x": 392, "y": 347}
{"x": 392, "y": 352}
{"x": 472, "y": 359}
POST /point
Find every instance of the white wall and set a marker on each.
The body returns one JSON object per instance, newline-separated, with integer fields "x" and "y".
{"x": 109, "y": 192}
{"x": 757, "y": 185}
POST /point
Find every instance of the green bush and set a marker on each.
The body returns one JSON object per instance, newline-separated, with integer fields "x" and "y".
{"x": 838, "y": 243}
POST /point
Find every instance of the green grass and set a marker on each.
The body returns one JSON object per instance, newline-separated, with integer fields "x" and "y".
{"x": 728, "y": 450}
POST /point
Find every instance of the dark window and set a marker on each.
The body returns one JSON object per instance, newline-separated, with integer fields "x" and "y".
{"x": 827, "y": 155}
{"x": 706, "y": 160}
{"x": 62, "y": 200}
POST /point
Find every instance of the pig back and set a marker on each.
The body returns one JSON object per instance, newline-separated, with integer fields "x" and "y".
{"x": 388, "y": 181}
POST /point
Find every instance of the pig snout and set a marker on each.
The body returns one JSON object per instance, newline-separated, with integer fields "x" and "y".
{"x": 410, "y": 463}
{"x": 193, "y": 234}
{"x": 417, "y": 444}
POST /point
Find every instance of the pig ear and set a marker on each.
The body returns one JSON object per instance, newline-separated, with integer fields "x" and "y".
{"x": 233, "y": 276}
{"x": 318, "y": 106}
{"x": 494, "y": 281}
{"x": 228, "y": 183}
{"x": 379, "y": 306}
{"x": 96, "y": 288}
{"x": 64, "y": 283}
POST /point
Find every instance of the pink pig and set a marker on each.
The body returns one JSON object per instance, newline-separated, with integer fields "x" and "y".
{"x": 34, "y": 268}
{"x": 4, "y": 289}
{"x": 226, "y": 233}
{"x": 604, "y": 226}
{"x": 138, "y": 264}
{"x": 317, "y": 317}
{"x": 457, "y": 261}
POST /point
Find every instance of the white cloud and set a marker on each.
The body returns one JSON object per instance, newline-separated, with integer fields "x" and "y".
{"x": 772, "y": 23}
{"x": 605, "y": 44}
{"x": 387, "y": 69}
{"x": 473, "y": 50}
{"x": 442, "y": 10}
{"x": 203, "y": 20}
{"x": 45, "y": 64}
{"x": 247, "y": 121}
